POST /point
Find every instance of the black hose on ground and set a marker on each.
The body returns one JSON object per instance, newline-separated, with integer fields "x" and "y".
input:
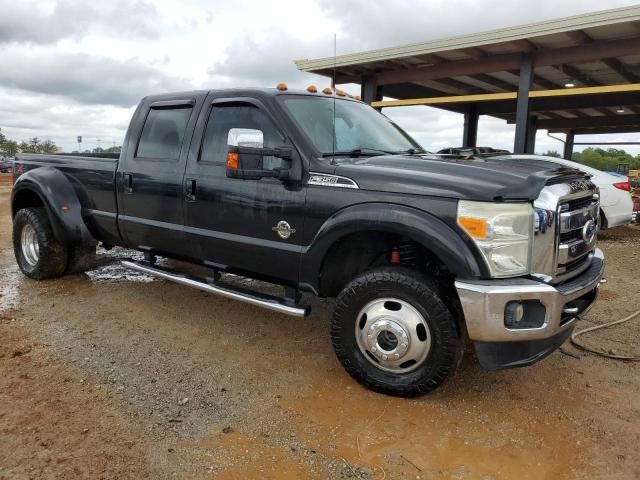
{"x": 574, "y": 335}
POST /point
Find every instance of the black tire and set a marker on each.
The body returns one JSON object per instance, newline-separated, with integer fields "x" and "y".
{"x": 447, "y": 344}
{"x": 80, "y": 258}
{"x": 52, "y": 255}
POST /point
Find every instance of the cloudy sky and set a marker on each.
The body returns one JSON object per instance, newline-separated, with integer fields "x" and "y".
{"x": 71, "y": 68}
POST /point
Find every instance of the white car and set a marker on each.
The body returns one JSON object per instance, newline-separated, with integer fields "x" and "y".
{"x": 616, "y": 206}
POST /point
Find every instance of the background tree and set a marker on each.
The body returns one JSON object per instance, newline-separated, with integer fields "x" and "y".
{"x": 9, "y": 148}
{"x": 607, "y": 160}
{"x": 48, "y": 146}
{"x": 34, "y": 145}
{"x": 24, "y": 147}
{"x": 552, "y": 153}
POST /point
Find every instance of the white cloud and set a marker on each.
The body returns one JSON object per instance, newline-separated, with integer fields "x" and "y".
{"x": 84, "y": 78}
{"x": 44, "y": 116}
{"x": 75, "y": 68}
{"x": 35, "y": 22}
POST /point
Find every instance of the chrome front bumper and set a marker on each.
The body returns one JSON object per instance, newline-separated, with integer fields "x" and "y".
{"x": 484, "y": 302}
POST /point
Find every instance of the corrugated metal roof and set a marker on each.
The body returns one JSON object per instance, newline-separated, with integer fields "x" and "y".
{"x": 603, "y": 24}
{"x": 591, "y": 50}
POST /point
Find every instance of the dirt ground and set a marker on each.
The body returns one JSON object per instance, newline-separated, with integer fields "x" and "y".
{"x": 111, "y": 374}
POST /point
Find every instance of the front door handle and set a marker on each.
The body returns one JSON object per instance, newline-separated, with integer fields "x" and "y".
{"x": 190, "y": 189}
{"x": 128, "y": 182}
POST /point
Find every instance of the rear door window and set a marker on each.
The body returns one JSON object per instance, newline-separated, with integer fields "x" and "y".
{"x": 163, "y": 133}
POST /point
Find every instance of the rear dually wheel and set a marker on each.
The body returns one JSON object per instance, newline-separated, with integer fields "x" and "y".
{"x": 38, "y": 253}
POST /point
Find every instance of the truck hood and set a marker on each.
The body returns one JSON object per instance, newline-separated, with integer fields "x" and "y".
{"x": 483, "y": 179}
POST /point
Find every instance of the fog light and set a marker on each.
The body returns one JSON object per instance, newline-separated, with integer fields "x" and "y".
{"x": 521, "y": 314}
{"x": 513, "y": 314}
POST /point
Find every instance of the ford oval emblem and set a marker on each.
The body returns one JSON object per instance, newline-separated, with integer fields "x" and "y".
{"x": 589, "y": 231}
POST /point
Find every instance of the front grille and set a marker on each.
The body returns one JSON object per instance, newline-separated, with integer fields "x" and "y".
{"x": 577, "y": 203}
{"x": 577, "y": 224}
{"x": 569, "y": 236}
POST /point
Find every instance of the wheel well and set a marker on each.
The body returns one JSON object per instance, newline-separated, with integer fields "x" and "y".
{"x": 359, "y": 252}
{"x": 362, "y": 251}
{"x": 25, "y": 199}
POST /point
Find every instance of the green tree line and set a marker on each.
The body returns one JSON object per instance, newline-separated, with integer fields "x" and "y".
{"x": 606, "y": 160}
{"x": 603, "y": 159}
{"x": 103, "y": 150}
{"x": 10, "y": 148}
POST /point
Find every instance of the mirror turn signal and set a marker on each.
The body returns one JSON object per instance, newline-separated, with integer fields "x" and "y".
{"x": 232, "y": 160}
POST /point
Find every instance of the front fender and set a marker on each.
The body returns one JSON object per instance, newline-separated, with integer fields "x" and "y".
{"x": 420, "y": 226}
{"x": 60, "y": 200}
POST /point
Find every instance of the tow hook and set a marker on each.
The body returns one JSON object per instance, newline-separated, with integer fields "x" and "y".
{"x": 570, "y": 310}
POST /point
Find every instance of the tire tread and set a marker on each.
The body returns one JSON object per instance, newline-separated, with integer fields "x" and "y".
{"x": 52, "y": 261}
{"x": 380, "y": 280}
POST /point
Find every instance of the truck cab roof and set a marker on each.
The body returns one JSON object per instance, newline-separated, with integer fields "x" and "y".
{"x": 249, "y": 91}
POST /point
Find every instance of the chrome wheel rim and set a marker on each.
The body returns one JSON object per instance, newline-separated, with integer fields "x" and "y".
{"x": 393, "y": 335}
{"x": 29, "y": 245}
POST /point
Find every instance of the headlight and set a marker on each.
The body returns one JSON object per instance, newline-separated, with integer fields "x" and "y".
{"x": 502, "y": 231}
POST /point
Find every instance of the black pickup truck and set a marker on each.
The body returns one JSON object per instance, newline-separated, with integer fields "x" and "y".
{"x": 320, "y": 193}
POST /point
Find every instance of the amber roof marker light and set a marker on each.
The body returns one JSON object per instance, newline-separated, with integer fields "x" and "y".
{"x": 312, "y": 89}
{"x": 282, "y": 87}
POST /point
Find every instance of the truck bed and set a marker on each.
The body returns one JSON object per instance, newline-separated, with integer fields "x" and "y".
{"x": 93, "y": 179}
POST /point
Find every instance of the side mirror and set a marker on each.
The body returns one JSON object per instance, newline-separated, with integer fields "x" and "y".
{"x": 245, "y": 137}
{"x": 249, "y": 162}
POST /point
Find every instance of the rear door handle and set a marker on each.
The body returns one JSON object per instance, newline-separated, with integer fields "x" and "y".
{"x": 190, "y": 189}
{"x": 128, "y": 182}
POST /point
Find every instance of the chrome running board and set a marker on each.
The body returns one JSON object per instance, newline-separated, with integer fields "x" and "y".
{"x": 269, "y": 302}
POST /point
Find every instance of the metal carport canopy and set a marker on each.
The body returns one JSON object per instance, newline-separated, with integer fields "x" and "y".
{"x": 529, "y": 65}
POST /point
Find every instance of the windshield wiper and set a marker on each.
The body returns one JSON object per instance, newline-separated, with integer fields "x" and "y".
{"x": 410, "y": 151}
{"x": 359, "y": 151}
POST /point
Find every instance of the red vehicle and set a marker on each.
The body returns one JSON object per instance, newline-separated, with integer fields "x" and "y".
{"x": 634, "y": 183}
{"x": 6, "y": 165}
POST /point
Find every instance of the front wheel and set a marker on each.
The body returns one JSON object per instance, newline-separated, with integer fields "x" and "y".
{"x": 38, "y": 253}
{"x": 393, "y": 333}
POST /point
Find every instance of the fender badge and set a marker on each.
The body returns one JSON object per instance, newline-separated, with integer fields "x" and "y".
{"x": 283, "y": 229}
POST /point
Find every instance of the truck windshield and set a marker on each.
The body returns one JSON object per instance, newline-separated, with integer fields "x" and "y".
{"x": 359, "y": 129}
